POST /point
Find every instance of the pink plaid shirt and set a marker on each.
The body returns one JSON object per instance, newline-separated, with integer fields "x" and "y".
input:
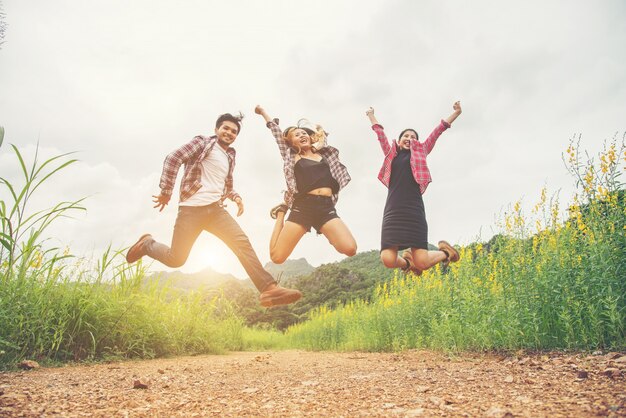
{"x": 191, "y": 155}
{"x": 419, "y": 151}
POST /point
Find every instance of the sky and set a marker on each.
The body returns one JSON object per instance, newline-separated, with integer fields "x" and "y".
{"x": 122, "y": 84}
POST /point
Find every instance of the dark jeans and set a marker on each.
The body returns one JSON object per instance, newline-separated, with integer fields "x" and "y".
{"x": 191, "y": 220}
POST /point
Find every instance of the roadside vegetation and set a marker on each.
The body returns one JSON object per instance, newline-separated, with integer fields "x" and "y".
{"x": 56, "y": 308}
{"x": 547, "y": 281}
{"x": 551, "y": 279}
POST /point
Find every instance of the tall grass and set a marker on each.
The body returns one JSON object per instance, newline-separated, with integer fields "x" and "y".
{"x": 543, "y": 283}
{"x": 54, "y": 307}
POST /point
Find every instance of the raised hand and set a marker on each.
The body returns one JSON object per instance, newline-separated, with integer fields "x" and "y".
{"x": 457, "y": 111}
{"x": 260, "y": 111}
{"x": 370, "y": 114}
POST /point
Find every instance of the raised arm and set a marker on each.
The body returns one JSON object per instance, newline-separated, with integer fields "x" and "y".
{"x": 443, "y": 125}
{"x": 457, "y": 111}
{"x": 276, "y": 132}
{"x": 380, "y": 132}
{"x": 370, "y": 114}
{"x": 260, "y": 111}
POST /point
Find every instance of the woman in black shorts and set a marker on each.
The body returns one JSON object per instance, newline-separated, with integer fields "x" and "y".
{"x": 406, "y": 175}
{"x": 314, "y": 177}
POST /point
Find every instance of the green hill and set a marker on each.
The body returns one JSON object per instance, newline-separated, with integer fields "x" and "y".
{"x": 330, "y": 284}
{"x": 204, "y": 279}
{"x": 289, "y": 269}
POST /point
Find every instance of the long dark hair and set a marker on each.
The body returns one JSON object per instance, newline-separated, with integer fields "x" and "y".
{"x": 402, "y": 133}
{"x": 409, "y": 129}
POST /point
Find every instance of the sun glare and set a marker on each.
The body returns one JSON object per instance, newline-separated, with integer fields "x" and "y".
{"x": 210, "y": 252}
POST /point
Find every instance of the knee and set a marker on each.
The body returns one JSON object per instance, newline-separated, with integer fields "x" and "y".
{"x": 347, "y": 247}
{"x": 176, "y": 262}
{"x": 389, "y": 260}
{"x": 277, "y": 257}
{"x": 421, "y": 263}
{"x": 350, "y": 251}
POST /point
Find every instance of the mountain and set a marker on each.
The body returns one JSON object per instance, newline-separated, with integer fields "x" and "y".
{"x": 330, "y": 284}
{"x": 289, "y": 269}
{"x": 207, "y": 279}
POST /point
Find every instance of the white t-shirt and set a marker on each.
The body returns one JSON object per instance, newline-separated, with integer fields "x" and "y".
{"x": 214, "y": 169}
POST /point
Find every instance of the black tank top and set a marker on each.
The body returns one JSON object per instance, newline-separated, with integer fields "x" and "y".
{"x": 311, "y": 175}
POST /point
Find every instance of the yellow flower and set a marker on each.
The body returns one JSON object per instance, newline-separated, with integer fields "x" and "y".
{"x": 589, "y": 178}
{"x": 612, "y": 155}
{"x": 571, "y": 151}
{"x": 604, "y": 165}
{"x": 508, "y": 223}
{"x": 555, "y": 214}
{"x": 541, "y": 202}
{"x": 37, "y": 260}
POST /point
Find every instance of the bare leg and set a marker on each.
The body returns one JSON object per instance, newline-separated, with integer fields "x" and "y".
{"x": 424, "y": 259}
{"x": 284, "y": 238}
{"x": 390, "y": 258}
{"x": 339, "y": 236}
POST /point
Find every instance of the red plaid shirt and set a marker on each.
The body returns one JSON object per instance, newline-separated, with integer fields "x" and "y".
{"x": 191, "y": 155}
{"x": 419, "y": 151}
{"x": 330, "y": 154}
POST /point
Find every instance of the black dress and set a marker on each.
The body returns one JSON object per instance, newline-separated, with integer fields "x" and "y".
{"x": 404, "y": 219}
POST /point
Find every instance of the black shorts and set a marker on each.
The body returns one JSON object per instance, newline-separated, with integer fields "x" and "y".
{"x": 312, "y": 211}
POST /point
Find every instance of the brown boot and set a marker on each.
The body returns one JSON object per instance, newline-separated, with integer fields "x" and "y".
{"x": 453, "y": 254}
{"x": 275, "y": 295}
{"x": 136, "y": 251}
{"x": 408, "y": 257}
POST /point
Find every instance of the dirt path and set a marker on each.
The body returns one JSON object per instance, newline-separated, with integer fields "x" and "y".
{"x": 296, "y": 383}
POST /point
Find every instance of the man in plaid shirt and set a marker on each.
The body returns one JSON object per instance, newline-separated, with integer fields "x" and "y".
{"x": 207, "y": 181}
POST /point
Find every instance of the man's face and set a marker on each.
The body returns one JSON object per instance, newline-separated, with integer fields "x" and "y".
{"x": 226, "y": 133}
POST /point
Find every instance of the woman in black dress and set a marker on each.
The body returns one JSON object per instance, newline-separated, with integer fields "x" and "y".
{"x": 406, "y": 175}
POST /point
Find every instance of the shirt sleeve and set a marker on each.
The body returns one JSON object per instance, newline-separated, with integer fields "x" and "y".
{"x": 280, "y": 141}
{"x": 382, "y": 138}
{"x": 432, "y": 138}
{"x": 232, "y": 195}
{"x": 174, "y": 160}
